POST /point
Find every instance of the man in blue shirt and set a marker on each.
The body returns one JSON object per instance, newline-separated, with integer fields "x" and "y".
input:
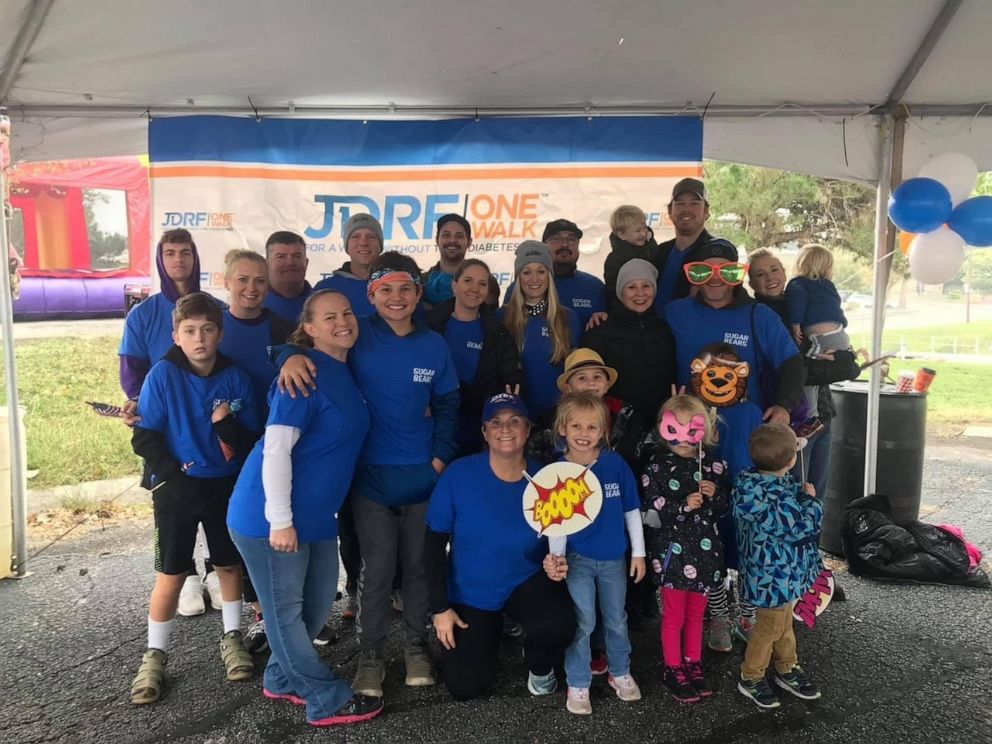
{"x": 688, "y": 211}
{"x": 454, "y": 238}
{"x": 579, "y": 291}
{"x": 286, "y": 254}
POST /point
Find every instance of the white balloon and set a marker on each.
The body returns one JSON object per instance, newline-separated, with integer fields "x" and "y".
{"x": 936, "y": 257}
{"x": 956, "y": 171}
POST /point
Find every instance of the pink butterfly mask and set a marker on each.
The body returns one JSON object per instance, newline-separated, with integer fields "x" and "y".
{"x": 676, "y": 433}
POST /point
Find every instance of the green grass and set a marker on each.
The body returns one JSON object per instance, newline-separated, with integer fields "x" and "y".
{"x": 67, "y": 442}
{"x": 936, "y": 338}
{"x": 959, "y": 392}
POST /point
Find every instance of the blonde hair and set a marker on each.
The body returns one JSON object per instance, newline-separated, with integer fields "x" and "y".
{"x": 573, "y": 403}
{"x": 516, "y": 317}
{"x": 690, "y": 406}
{"x": 626, "y": 216}
{"x": 814, "y": 262}
{"x": 242, "y": 254}
{"x": 299, "y": 336}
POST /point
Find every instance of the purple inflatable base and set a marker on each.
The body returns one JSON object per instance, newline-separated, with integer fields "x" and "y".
{"x": 50, "y": 298}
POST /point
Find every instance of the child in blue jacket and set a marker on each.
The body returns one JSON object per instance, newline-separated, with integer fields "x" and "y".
{"x": 778, "y": 526}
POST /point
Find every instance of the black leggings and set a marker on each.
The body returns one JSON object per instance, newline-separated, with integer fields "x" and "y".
{"x": 541, "y": 606}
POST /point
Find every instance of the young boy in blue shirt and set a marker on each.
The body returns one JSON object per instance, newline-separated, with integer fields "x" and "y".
{"x": 199, "y": 420}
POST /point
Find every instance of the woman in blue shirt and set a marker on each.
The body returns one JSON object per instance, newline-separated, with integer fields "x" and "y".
{"x": 485, "y": 355}
{"x": 282, "y": 514}
{"x": 250, "y": 328}
{"x": 494, "y": 565}
{"x": 543, "y": 330}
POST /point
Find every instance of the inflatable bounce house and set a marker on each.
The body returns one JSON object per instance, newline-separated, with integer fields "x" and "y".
{"x": 58, "y": 279}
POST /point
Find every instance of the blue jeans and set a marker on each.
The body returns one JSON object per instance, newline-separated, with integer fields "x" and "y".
{"x": 296, "y": 591}
{"x": 816, "y": 458}
{"x": 586, "y": 578}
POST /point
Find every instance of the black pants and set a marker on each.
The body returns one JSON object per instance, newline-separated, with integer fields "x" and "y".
{"x": 348, "y": 547}
{"x": 541, "y": 606}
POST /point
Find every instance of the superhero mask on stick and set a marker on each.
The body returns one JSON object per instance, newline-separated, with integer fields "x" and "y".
{"x": 675, "y": 433}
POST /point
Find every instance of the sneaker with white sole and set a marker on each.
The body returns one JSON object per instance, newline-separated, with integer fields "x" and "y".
{"x": 577, "y": 701}
{"x": 719, "y": 639}
{"x": 191, "y": 597}
{"x": 625, "y": 687}
{"x": 211, "y": 583}
{"x": 796, "y": 682}
{"x": 255, "y": 639}
{"x": 542, "y": 684}
{"x": 370, "y": 674}
{"x": 418, "y": 667}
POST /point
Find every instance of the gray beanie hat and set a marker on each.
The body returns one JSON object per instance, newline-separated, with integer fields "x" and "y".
{"x": 531, "y": 251}
{"x": 360, "y": 221}
{"x": 636, "y": 268}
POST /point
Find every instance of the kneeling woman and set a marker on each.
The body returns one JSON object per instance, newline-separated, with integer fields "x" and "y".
{"x": 282, "y": 515}
{"x": 494, "y": 565}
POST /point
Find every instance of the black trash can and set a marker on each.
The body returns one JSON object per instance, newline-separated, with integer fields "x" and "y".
{"x": 902, "y": 424}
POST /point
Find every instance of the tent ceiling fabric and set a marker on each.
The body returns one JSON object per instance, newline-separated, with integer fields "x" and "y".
{"x": 518, "y": 54}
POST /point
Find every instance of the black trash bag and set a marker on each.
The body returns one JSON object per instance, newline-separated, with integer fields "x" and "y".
{"x": 878, "y": 548}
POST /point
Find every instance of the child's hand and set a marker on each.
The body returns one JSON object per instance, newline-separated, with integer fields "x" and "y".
{"x": 693, "y": 501}
{"x": 221, "y": 412}
{"x": 707, "y": 488}
{"x": 810, "y": 490}
{"x": 297, "y": 375}
{"x": 129, "y": 413}
{"x": 638, "y": 569}
{"x": 797, "y": 334}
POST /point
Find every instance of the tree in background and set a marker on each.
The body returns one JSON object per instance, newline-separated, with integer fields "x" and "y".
{"x": 107, "y": 250}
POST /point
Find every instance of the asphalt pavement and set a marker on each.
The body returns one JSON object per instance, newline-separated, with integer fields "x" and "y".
{"x": 896, "y": 663}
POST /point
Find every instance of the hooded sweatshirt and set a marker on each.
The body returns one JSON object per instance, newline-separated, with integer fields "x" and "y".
{"x": 148, "y": 327}
{"x": 353, "y": 287}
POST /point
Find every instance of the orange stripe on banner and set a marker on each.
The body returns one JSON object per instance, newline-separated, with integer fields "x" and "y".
{"x": 445, "y": 174}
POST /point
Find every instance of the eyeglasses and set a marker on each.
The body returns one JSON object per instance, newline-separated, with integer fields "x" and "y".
{"x": 566, "y": 239}
{"x": 700, "y": 272}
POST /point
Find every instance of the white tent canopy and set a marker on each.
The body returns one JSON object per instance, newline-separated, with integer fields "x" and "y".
{"x": 783, "y": 84}
{"x": 842, "y": 88}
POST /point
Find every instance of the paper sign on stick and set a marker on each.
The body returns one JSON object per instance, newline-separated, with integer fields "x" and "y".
{"x": 561, "y": 499}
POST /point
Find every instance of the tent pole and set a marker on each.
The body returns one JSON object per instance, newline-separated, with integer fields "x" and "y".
{"x": 889, "y": 154}
{"x": 18, "y": 481}
{"x": 22, "y": 45}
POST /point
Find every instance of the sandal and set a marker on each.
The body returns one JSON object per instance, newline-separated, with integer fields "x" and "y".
{"x": 237, "y": 659}
{"x": 147, "y": 685}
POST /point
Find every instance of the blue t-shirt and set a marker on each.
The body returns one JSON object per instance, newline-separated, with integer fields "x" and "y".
{"x": 179, "y": 403}
{"x": 541, "y": 391}
{"x": 493, "y": 549}
{"x": 288, "y": 307}
{"x": 398, "y": 376}
{"x": 695, "y": 325}
{"x": 465, "y": 339}
{"x": 735, "y": 424}
{"x": 148, "y": 329}
{"x": 670, "y": 278}
{"x": 606, "y": 538}
{"x": 247, "y": 342}
{"x": 583, "y": 293}
{"x": 356, "y": 290}
{"x": 333, "y": 422}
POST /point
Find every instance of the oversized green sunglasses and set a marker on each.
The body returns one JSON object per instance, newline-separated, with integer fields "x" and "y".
{"x": 700, "y": 272}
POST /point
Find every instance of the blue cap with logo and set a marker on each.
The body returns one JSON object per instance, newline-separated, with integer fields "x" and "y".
{"x": 504, "y": 402}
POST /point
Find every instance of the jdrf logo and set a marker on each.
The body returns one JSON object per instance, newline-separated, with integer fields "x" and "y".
{"x": 410, "y": 217}
{"x": 218, "y": 220}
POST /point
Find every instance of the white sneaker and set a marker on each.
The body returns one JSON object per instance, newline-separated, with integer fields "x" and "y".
{"x": 212, "y": 584}
{"x": 191, "y": 597}
{"x": 626, "y": 688}
{"x": 577, "y": 701}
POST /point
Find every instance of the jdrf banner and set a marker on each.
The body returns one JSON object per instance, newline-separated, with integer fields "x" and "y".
{"x": 233, "y": 181}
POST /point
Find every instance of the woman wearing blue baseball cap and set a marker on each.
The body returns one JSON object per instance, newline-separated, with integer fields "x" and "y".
{"x": 494, "y": 565}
